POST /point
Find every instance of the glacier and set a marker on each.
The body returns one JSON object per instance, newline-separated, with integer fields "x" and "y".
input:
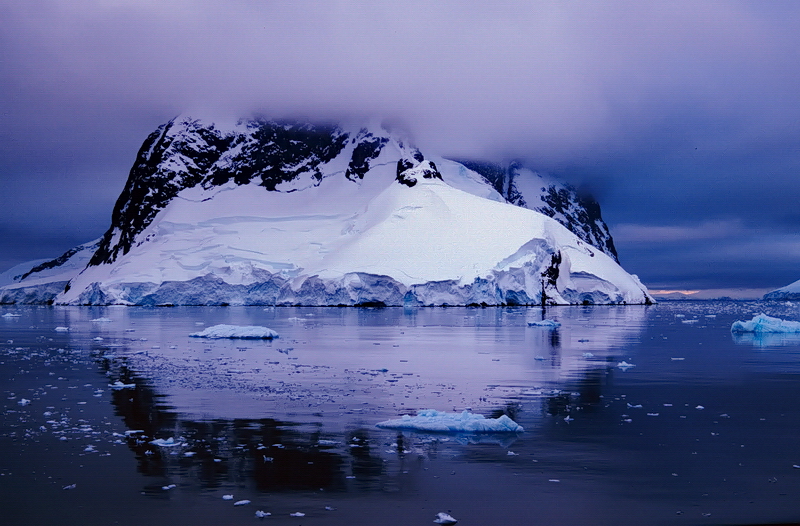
{"x": 341, "y": 216}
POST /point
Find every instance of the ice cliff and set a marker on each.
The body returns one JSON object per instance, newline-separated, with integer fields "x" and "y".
{"x": 284, "y": 213}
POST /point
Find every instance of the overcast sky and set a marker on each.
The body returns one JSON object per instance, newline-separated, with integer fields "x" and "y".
{"x": 682, "y": 117}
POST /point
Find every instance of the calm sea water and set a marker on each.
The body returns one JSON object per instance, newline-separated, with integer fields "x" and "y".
{"x": 703, "y": 429}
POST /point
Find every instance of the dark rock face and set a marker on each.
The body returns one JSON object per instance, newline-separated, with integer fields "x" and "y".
{"x": 185, "y": 153}
{"x": 368, "y": 148}
{"x": 578, "y": 211}
{"x": 408, "y": 172}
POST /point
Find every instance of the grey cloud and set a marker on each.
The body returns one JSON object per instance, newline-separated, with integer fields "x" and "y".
{"x": 679, "y": 113}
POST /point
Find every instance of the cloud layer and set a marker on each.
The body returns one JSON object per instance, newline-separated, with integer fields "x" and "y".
{"x": 677, "y": 113}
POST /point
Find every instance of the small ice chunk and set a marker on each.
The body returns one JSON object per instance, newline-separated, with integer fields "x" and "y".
{"x": 62, "y": 329}
{"x": 297, "y": 514}
{"x": 689, "y": 322}
{"x": 120, "y": 385}
{"x": 70, "y": 486}
{"x": 227, "y": 497}
{"x": 24, "y": 401}
{"x": 637, "y": 406}
{"x": 588, "y": 355}
{"x": 444, "y": 518}
{"x": 625, "y": 365}
{"x": 762, "y": 323}
{"x": 97, "y": 339}
{"x": 247, "y": 332}
{"x": 10, "y": 315}
{"x": 261, "y": 514}
{"x": 169, "y": 487}
{"x": 241, "y": 502}
{"x": 440, "y": 422}
{"x": 699, "y": 407}
{"x": 169, "y": 442}
{"x": 547, "y": 324}
{"x": 101, "y": 320}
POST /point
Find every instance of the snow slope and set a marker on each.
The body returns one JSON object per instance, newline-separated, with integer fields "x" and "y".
{"x": 789, "y": 292}
{"x": 39, "y": 281}
{"x": 270, "y": 213}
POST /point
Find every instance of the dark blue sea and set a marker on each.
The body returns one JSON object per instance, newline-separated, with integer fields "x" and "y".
{"x": 632, "y": 415}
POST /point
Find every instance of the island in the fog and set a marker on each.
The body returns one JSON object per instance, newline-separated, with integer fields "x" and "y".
{"x": 293, "y": 213}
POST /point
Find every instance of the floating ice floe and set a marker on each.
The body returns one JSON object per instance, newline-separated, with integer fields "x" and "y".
{"x": 625, "y": 365}
{"x": 297, "y": 514}
{"x": 444, "y": 518}
{"x": 246, "y": 332}
{"x": 169, "y": 487}
{"x": 434, "y": 421}
{"x": 241, "y": 502}
{"x": 547, "y": 324}
{"x": 62, "y": 329}
{"x": 169, "y": 442}
{"x": 261, "y": 514}
{"x": 70, "y": 486}
{"x": 24, "y": 401}
{"x": 10, "y": 315}
{"x": 120, "y": 385}
{"x": 227, "y": 497}
{"x": 101, "y": 320}
{"x": 762, "y": 323}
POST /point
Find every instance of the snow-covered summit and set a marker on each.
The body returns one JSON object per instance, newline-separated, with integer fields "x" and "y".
{"x": 266, "y": 212}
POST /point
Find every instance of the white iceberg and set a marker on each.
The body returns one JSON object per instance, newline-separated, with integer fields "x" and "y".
{"x": 247, "y": 332}
{"x": 549, "y": 324}
{"x": 434, "y": 421}
{"x": 762, "y": 323}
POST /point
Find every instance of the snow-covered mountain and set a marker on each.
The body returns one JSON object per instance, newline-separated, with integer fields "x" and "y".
{"x": 266, "y": 212}
{"x": 790, "y": 292}
{"x": 527, "y": 188}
